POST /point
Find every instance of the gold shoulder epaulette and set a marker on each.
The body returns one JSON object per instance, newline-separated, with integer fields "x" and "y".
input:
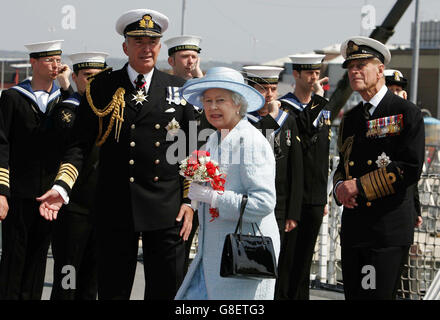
{"x": 115, "y": 107}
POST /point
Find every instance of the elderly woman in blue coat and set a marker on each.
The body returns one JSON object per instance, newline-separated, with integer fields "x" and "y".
{"x": 246, "y": 158}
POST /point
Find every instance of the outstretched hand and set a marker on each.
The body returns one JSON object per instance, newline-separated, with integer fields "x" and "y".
{"x": 51, "y": 203}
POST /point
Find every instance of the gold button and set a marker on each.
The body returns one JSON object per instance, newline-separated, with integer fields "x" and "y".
{"x": 157, "y": 144}
{"x": 131, "y": 162}
{"x": 157, "y": 126}
{"x": 369, "y": 162}
{"x": 368, "y": 204}
{"x": 157, "y": 161}
{"x": 131, "y": 179}
{"x": 182, "y": 102}
{"x": 351, "y": 163}
{"x": 156, "y": 179}
{"x": 133, "y": 126}
{"x": 132, "y": 144}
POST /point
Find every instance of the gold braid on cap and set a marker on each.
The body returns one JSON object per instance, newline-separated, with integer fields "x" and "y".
{"x": 116, "y": 107}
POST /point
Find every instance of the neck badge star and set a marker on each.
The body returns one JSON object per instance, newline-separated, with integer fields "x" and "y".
{"x": 140, "y": 97}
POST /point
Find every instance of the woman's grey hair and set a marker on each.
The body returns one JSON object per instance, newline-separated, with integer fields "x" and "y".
{"x": 240, "y": 100}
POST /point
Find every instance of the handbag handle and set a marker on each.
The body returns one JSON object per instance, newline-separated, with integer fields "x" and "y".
{"x": 240, "y": 220}
{"x": 244, "y": 200}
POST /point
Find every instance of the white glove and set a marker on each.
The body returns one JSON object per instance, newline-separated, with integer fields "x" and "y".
{"x": 201, "y": 193}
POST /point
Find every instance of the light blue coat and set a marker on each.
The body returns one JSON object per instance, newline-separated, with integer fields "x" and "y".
{"x": 247, "y": 159}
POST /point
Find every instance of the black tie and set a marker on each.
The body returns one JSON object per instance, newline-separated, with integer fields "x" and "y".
{"x": 140, "y": 82}
{"x": 367, "y": 107}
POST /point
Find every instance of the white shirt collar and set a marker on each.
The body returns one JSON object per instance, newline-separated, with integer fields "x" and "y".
{"x": 377, "y": 98}
{"x": 132, "y": 75}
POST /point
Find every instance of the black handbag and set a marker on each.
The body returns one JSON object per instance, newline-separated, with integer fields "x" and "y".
{"x": 248, "y": 256}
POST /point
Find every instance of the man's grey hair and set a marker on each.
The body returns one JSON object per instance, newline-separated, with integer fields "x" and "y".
{"x": 240, "y": 100}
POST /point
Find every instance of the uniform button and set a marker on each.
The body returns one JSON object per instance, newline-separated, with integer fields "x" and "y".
{"x": 368, "y": 204}
{"x": 156, "y": 179}
{"x": 133, "y": 126}
{"x": 351, "y": 163}
{"x": 131, "y": 162}
{"x": 132, "y": 144}
{"x": 157, "y": 144}
{"x": 157, "y": 126}
{"x": 131, "y": 179}
{"x": 369, "y": 162}
{"x": 182, "y": 102}
{"x": 157, "y": 161}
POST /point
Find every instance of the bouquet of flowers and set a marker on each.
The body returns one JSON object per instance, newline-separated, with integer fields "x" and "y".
{"x": 199, "y": 167}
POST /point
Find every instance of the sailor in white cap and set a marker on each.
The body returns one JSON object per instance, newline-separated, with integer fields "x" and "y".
{"x": 74, "y": 234}
{"x": 314, "y": 128}
{"x": 284, "y": 137}
{"x": 396, "y": 82}
{"x": 381, "y": 145}
{"x": 183, "y": 56}
{"x": 134, "y": 114}
{"x": 27, "y": 164}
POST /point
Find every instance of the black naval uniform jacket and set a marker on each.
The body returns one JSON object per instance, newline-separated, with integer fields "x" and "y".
{"x": 384, "y": 215}
{"x": 287, "y": 149}
{"x": 28, "y": 160}
{"x": 136, "y": 184}
{"x": 83, "y": 193}
{"x": 315, "y": 141}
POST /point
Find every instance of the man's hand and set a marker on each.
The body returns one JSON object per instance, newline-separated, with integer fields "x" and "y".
{"x": 63, "y": 76}
{"x": 51, "y": 203}
{"x": 4, "y": 207}
{"x": 419, "y": 221}
{"x": 185, "y": 212}
{"x": 318, "y": 86}
{"x": 403, "y": 94}
{"x": 325, "y": 210}
{"x": 290, "y": 225}
{"x": 274, "y": 108}
{"x": 197, "y": 72}
{"x": 346, "y": 193}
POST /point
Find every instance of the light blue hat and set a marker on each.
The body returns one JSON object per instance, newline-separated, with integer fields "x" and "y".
{"x": 222, "y": 78}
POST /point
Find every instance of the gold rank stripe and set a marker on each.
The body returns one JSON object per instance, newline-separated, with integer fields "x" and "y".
{"x": 4, "y": 177}
{"x": 4, "y": 181}
{"x": 67, "y": 173}
{"x": 186, "y": 185}
{"x": 380, "y": 191}
{"x": 368, "y": 188}
{"x": 383, "y": 179}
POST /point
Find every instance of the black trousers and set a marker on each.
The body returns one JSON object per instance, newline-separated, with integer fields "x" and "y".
{"x": 25, "y": 242}
{"x": 74, "y": 245}
{"x": 164, "y": 257}
{"x": 295, "y": 267}
{"x": 372, "y": 273}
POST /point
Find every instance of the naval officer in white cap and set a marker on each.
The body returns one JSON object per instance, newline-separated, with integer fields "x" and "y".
{"x": 134, "y": 114}
{"x": 28, "y": 164}
{"x": 183, "y": 56}
{"x": 74, "y": 232}
{"x": 381, "y": 147}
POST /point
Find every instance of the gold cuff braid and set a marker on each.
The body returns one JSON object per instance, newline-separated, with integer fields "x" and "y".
{"x": 67, "y": 173}
{"x": 116, "y": 107}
